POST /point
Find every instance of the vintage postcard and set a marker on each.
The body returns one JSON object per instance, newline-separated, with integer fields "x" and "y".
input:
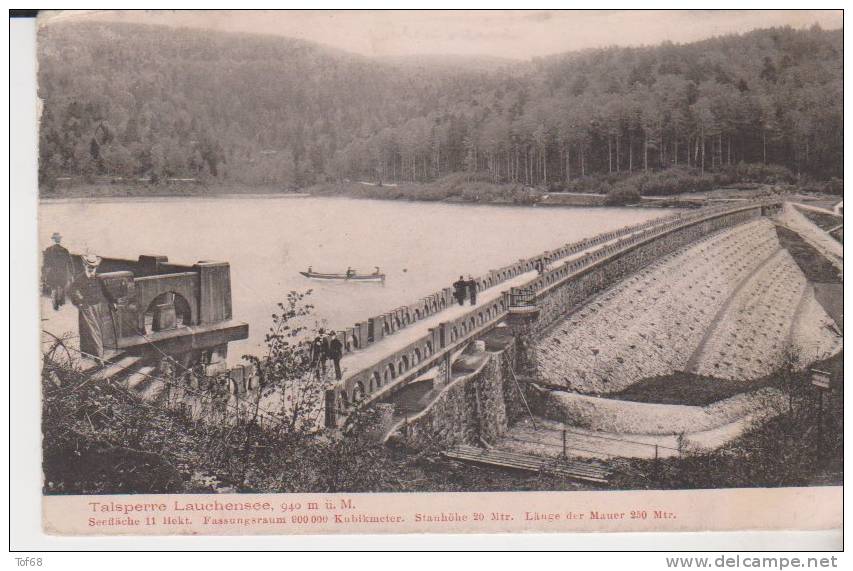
{"x": 338, "y": 272}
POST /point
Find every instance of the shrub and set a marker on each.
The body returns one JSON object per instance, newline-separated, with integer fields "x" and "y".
{"x": 761, "y": 173}
{"x": 623, "y": 193}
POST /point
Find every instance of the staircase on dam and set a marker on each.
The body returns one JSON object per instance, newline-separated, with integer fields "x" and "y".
{"x": 130, "y": 372}
{"x": 167, "y": 384}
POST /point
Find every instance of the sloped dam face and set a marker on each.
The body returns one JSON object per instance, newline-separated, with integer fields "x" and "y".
{"x": 685, "y": 347}
{"x": 676, "y": 356}
{"x": 728, "y": 306}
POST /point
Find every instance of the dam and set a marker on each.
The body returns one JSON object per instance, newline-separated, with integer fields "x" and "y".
{"x": 708, "y": 293}
{"x": 554, "y": 340}
{"x": 375, "y": 363}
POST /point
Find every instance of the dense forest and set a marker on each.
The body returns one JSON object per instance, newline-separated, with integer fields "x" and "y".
{"x": 126, "y": 101}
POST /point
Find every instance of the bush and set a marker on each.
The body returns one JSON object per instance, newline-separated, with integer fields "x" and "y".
{"x": 623, "y": 193}
{"x": 594, "y": 184}
{"x": 761, "y": 173}
{"x": 834, "y": 186}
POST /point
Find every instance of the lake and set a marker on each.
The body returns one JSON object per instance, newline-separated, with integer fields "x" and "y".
{"x": 421, "y": 246}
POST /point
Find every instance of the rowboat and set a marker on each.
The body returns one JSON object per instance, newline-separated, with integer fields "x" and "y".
{"x": 347, "y": 276}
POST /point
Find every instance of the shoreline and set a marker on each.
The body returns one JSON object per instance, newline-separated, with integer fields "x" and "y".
{"x": 105, "y": 199}
{"x": 169, "y": 197}
{"x": 163, "y": 194}
{"x": 475, "y": 193}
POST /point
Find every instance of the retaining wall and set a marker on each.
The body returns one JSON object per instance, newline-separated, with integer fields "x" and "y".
{"x": 472, "y": 408}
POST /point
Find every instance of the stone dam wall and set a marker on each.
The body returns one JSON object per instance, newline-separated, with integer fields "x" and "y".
{"x": 473, "y": 408}
{"x": 588, "y": 267}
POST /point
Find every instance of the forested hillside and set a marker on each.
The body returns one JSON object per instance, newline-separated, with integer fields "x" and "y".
{"x": 133, "y": 101}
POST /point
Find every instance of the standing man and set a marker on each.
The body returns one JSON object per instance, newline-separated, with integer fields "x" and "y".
{"x": 472, "y": 290}
{"x": 93, "y": 303}
{"x": 57, "y": 271}
{"x": 319, "y": 353}
{"x": 459, "y": 290}
{"x": 336, "y": 351}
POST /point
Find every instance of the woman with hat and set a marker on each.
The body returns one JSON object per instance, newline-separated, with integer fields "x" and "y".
{"x": 57, "y": 271}
{"x": 93, "y": 303}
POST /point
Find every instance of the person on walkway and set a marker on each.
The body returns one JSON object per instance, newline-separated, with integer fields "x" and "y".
{"x": 58, "y": 271}
{"x": 93, "y": 302}
{"x": 319, "y": 353}
{"x": 471, "y": 284}
{"x": 336, "y": 351}
{"x": 459, "y": 287}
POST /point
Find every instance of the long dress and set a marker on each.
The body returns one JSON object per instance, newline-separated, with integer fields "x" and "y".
{"x": 95, "y": 324}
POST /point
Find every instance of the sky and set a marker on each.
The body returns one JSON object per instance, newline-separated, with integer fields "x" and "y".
{"x": 506, "y": 34}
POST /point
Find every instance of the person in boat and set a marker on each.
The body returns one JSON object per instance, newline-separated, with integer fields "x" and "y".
{"x": 320, "y": 353}
{"x": 459, "y": 287}
{"x": 57, "y": 271}
{"x": 376, "y": 270}
{"x": 350, "y": 272}
{"x": 336, "y": 351}
{"x": 93, "y": 302}
{"x": 472, "y": 290}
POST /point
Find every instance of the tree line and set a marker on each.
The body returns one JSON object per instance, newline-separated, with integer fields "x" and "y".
{"x": 133, "y": 101}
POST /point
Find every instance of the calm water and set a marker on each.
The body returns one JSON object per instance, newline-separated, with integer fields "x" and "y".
{"x": 422, "y": 247}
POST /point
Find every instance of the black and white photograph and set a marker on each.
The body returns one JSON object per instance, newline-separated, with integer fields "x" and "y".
{"x": 351, "y": 270}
